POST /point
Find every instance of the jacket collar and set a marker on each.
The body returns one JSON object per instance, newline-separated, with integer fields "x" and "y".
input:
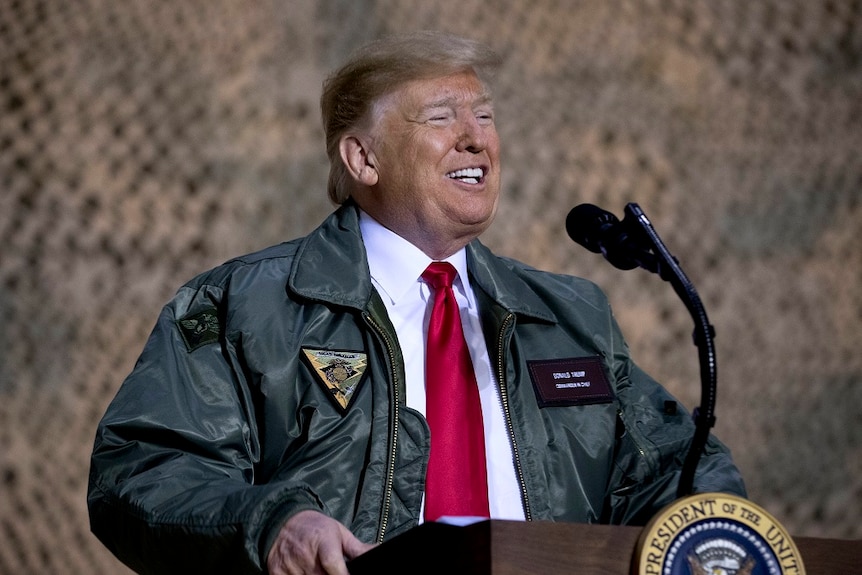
{"x": 331, "y": 266}
{"x": 503, "y": 285}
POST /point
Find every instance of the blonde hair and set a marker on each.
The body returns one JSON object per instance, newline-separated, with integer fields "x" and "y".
{"x": 378, "y": 69}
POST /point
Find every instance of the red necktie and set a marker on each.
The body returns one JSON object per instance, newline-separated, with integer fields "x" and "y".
{"x": 456, "y": 482}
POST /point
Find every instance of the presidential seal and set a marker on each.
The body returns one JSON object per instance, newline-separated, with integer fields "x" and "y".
{"x": 715, "y": 534}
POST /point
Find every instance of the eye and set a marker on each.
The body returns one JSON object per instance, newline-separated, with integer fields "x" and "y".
{"x": 440, "y": 118}
{"x": 485, "y": 118}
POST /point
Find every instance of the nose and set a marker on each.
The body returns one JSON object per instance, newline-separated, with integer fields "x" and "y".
{"x": 474, "y": 136}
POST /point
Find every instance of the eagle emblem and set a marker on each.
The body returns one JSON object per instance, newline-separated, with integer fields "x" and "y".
{"x": 340, "y": 372}
{"x": 200, "y": 329}
{"x": 720, "y": 557}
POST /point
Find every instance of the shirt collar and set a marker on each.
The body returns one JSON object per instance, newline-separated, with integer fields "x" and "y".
{"x": 396, "y": 264}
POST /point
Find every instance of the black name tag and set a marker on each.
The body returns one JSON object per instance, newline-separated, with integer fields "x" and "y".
{"x": 571, "y": 381}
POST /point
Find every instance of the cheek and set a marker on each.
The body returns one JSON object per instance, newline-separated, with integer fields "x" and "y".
{"x": 436, "y": 143}
{"x": 494, "y": 147}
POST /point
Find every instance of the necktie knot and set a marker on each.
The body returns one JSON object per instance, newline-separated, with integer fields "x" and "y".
{"x": 439, "y": 275}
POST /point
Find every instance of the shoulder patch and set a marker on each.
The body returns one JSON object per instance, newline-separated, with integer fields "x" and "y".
{"x": 340, "y": 372}
{"x": 200, "y": 329}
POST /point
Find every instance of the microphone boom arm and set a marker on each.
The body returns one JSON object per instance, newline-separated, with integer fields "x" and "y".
{"x": 660, "y": 261}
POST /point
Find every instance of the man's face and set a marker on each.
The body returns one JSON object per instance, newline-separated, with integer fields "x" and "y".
{"x": 437, "y": 155}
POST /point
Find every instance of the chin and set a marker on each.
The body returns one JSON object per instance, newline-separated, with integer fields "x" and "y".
{"x": 479, "y": 225}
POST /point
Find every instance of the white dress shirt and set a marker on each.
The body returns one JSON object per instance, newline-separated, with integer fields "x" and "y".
{"x": 396, "y": 268}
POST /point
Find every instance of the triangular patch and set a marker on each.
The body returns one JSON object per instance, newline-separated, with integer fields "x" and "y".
{"x": 340, "y": 372}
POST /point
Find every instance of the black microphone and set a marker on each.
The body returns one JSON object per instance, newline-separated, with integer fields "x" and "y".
{"x": 634, "y": 242}
{"x": 603, "y": 233}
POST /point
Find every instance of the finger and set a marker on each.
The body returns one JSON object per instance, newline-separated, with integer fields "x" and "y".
{"x": 351, "y": 546}
{"x": 313, "y": 543}
{"x": 333, "y": 566}
{"x": 332, "y": 552}
{"x": 331, "y": 558}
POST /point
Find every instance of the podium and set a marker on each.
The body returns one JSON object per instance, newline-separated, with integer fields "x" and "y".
{"x": 498, "y": 547}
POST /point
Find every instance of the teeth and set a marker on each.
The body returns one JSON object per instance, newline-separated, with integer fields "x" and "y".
{"x": 469, "y": 175}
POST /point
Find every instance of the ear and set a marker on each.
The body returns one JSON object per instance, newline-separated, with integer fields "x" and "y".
{"x": 359, "y": 159}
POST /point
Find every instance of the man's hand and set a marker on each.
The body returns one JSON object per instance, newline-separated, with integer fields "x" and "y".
{"x": 311, "y": 542}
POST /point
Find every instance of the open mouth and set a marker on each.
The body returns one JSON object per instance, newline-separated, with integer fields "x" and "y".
{"x": 468, "y": 175}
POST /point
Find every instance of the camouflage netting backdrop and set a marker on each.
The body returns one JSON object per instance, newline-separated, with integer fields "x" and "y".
{"x": 143, "y": 142}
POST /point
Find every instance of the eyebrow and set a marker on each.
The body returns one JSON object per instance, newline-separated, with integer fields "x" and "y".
{"x": 452, "y": 102}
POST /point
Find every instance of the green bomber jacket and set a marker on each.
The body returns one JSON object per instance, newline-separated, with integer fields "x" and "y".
{"x": 226, "y": 426}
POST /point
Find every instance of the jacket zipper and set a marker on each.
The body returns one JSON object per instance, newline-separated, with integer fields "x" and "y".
{"x": 504, "y": 399}
{"x": 390, "y": 470}
{"x": 641, "y": 450}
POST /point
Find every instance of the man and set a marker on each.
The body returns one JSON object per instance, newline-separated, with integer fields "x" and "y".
{"x": 276, "y": 419}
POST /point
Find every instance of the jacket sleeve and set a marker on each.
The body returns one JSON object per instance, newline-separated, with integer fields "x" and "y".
{"x": 654, "y": 435}
{"x": 172, "y": 479}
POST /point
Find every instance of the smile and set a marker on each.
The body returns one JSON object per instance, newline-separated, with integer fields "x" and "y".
{"x": 467, "y": 175}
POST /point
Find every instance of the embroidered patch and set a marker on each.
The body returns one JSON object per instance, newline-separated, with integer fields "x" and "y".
{"x": 340, "y": 372}
{"x": 571, "y": 381}
{"x": 200, "y": 329}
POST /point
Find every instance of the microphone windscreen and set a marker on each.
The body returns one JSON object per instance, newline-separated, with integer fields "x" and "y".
{"x": 586, "y": 224}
